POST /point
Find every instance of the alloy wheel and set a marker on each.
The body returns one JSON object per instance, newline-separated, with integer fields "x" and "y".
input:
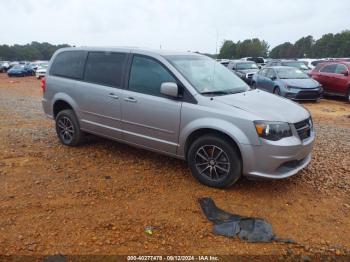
{"x": 65, "y": 129}
{"x": 212, "y": 162}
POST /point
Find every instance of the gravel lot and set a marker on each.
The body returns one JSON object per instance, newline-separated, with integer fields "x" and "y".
{"x": 99, "y": 198}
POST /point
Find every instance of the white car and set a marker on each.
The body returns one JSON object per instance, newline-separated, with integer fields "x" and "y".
{"x": 41, "y": 71}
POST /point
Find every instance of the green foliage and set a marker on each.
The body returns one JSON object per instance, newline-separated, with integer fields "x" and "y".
{"x": 32, "y": 51}
{"x": 329, "y": 45}
{"x": 250, "y": 47}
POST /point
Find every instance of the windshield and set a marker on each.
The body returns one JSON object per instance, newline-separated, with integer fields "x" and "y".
{"x": 299, "y": 65}
{"x": 206, "y": 75}
{"x": 291, "y": 73}
{"x": 18, "y": 66}
{"x": 245, "y": 66}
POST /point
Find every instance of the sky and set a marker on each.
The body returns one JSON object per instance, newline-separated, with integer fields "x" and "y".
{"x": 183, "y": 25}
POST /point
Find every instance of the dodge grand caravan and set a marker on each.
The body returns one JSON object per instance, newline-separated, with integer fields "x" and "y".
{"x": 183, "y": 105}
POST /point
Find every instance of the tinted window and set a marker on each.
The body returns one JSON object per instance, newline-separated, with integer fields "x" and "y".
{"x": 147, "y": 75}
{"x": 69, "y": 64}
{"x": 340, "y": 68}
{"x": 105, "y": 68}
{"x": 329, "y": 68}
{"x": 270, "y": 73}
{"x": 263, "y": 72}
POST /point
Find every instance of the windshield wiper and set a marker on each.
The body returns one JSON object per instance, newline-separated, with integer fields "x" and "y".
{"x": 216, "y": 93}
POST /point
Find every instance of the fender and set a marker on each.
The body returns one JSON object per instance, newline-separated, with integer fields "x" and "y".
{"x": 223, "y": 126}
{"x": 68, "y": 99}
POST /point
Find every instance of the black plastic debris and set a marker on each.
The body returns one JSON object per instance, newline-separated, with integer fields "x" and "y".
{"x": 246, "y": 228}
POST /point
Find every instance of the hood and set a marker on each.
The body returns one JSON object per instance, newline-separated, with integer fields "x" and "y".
{"x": 301, "y": 83}
{"x": 266, "y": 106}
{"x": 41, "y": 70}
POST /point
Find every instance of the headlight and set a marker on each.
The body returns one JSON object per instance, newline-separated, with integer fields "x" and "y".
{"x": 272, "y": 130}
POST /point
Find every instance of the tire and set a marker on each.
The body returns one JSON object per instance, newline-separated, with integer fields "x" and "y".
{"x": 348, "y": 96}
{"x": 254, "y": 86}
{"x": 277, "y": 91}
{"x": 68, "y": 129}
{"x": 208, "y": 171}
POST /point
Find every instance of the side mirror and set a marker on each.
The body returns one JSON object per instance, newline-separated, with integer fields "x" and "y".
{"x": 273, "y": 78}
{"x": 169, "y": 89}
{"x": 345, "y": 73}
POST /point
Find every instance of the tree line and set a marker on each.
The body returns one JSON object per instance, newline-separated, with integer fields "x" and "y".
{"x": 32, "y": 51}
{"x": 329, "y": 45}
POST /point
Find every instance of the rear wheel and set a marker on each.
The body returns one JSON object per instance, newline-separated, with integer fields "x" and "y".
{"x": 214, "y": 161}
{"x": 277, "y": 91}
{"x": 68, "y": 129}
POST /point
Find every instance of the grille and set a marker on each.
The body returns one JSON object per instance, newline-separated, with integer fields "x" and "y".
{"x": 308, "y": 94}
{"x": 303, "y": 128}
{"x": 250, "y": 75}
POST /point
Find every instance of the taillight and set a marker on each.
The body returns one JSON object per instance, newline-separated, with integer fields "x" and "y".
{"x": 43, "y": 84}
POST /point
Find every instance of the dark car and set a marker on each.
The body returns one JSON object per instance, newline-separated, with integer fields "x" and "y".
{"x": 20, "y": 70}
{"x": 292, "y": 63}
{"x": 334, "y": 77}
{"x": 289, "y": 82}
{"x": 244, "y": 69}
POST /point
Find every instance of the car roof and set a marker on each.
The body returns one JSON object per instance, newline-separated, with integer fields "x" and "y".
{"x": 136, "y": 50}
{"x": 278, "y": 67}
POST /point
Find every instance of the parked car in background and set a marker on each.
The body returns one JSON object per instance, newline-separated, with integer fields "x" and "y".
{"x": 291, "y": 63}
{"x": 244, "y": 69}
{"x": 308, "y": 62}
{"x": 4, "y": 66}
{"x": 289, "y": 82}
{"x": 260, "y": 61}
{"x": 184, "y": 105}
{"x": 224, "y": 62}
{"x": 334, "y": 77}
{"x": 20, "y": 70}
{"x": 35, "y": 65}
{"x": 41, "y": 71}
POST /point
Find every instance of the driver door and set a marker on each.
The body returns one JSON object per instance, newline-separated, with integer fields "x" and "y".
{"x": 150, "y": 119}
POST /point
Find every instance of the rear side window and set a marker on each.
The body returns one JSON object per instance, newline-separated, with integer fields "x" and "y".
{"x": 105, "y": 68}
{"x": 147, "y": 75}
{"x": 329, "y": 68}
{"x": 69, "y": 64}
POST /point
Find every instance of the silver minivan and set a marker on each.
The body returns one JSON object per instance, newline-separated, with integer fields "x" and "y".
{"x": 184, "y": 105}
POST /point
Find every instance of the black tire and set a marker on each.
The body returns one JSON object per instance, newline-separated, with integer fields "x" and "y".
{"x": 254, "y": 86}
{"x": 277, "y": 91}
{"x": 214, "y": 176}
{"x": 68, "y": 129}
{"x": 348, "y": 96}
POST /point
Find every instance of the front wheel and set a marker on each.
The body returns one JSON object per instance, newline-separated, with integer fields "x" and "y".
{"x": 214, "y": 161}
{"x": 348, "y": 96}
{"x": 68, "y": 129}
{"x": 277, "y": 91}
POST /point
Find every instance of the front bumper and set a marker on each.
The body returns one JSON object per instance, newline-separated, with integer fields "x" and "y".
{"x": 277, "y": 159}
{"x": 312, "y": 94}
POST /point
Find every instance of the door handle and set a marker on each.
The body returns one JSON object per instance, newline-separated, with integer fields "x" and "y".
{"x": 114, "y": 96}
{"x": 130, "y": 99}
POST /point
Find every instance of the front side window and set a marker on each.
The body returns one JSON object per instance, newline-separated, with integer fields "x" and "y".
{"x": 69, "y": 64}
{"x": 329, "y": 68}
{"x": 147, "y": 75}
{"x": 270, "y": 73}
{"x": 206, "y": 75}
{"x": 105, "y": 68}
{"x": 340, "y": 69}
